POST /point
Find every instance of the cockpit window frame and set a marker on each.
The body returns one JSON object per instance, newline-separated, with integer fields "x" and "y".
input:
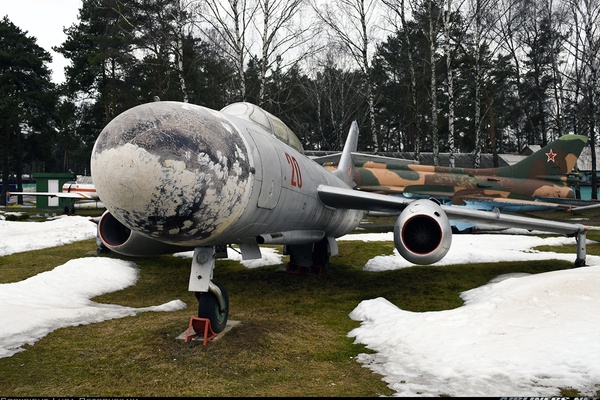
{"x": 275, "y": 126}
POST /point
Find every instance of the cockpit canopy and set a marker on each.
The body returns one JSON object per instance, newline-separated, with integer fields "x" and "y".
{"x": 268, "y": 121}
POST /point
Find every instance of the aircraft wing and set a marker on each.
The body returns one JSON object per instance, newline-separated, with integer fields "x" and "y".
{"x": 360, "y": 200}
{"x": 397, "y": 203}
{"x": 512, "y": 205}
{"x": 356, "y": 199}
{"x": 478, "y": 199}
{"x": 522, "y": 205}
{"x": 64, "y": 195}
{"x": 362, "y": 158}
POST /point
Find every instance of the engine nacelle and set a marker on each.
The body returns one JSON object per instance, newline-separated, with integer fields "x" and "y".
{"x": 422, "y": 233}
{"x": 120, "y": 239}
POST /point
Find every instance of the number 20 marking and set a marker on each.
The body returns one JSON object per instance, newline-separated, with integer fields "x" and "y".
{"x": 296, "y": 174}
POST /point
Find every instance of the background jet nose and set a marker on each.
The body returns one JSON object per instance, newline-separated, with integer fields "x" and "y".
{"x": 173, "y": 171}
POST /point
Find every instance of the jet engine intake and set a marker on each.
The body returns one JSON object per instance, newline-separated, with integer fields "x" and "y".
{"x": 122, "y": 240}
{"x": 422, "y": 233}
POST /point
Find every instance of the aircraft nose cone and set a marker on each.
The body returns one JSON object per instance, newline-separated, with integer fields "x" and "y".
{"x": 173, "y": 171}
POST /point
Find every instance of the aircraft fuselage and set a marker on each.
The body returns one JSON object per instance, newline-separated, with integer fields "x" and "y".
{"x": 191, "y": 176}
{"x": 86, "y": 189}
{"x": 448, "y": 182}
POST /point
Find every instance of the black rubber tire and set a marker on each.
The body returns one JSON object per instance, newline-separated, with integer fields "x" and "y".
{"x": 208, "y": 307}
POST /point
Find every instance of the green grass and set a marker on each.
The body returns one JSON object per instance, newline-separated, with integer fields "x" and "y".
{"x": 292, "y": 340}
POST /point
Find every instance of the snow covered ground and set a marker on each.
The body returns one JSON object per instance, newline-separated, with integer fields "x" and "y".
{"x": 520, "y": 335}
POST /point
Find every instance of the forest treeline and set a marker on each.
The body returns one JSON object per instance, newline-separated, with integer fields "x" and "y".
{"x": 478, "y": 76}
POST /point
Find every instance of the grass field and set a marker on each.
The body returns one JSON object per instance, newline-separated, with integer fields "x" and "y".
{"x": 292, "y": 340}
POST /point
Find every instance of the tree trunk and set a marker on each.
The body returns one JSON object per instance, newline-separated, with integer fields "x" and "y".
{"x": 478, "y": 134}
{"x": 434, "y": 106}
{"x": 450, "y": 85}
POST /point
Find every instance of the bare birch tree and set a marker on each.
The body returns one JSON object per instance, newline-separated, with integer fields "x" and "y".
{"x": 351, "y": 23}
{"x": 332, "y": 92}
{"x": 272, "y": 30}
{"x": 585, "y": 47}
{"x": 432, "y": 35}
{"x": 451, "y": 45}
{"x": 284, "y": 36}
{"x": 482, "y": 16}
{"x": 398, "y": 9}
{"x": 559, "y": 23}
{"x": 227, "y": 24}
{"x": 509, "y": 23}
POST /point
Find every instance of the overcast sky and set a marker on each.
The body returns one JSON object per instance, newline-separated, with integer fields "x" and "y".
{"x": 44, "y": 19}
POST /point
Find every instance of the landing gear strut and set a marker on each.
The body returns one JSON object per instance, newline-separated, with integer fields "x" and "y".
{"x": 213, "y": 300}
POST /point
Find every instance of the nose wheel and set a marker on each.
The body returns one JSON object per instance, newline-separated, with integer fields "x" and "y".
{"x": 214, "y": 306}
{"x": 213, "y": 301}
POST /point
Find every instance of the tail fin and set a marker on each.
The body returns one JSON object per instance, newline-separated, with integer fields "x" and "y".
{"x": 345, "y": 169}
{"x": 551, "y": 162}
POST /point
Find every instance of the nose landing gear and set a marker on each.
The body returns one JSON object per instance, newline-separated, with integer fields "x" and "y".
{"x": 213, "y": 300}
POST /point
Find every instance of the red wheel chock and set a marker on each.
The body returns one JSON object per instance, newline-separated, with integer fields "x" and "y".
{"x": 200, "y": 327}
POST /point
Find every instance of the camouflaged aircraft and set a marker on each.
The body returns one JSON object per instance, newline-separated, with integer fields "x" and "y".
{"x": 540, "y": 181}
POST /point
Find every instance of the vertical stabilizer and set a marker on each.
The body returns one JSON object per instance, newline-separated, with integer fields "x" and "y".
{"x": 554, "y": 160}
{"x": 345, "y": 169}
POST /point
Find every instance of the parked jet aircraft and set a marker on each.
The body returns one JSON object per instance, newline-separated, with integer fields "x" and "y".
{"x": 537, "y": 182}
{"x": 81, "y": 189}
{"x": 176, "y": 176}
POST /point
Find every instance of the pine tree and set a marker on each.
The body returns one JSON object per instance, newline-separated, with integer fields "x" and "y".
{"x": 27, "y": 101}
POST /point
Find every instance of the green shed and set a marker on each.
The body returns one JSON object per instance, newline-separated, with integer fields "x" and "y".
{"x": 52, "y": 182}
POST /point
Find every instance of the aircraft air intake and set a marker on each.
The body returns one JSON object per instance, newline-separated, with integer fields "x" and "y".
{"x": 422, "y": 233}
{"x": 111, "y": 231}
{"x": 119, "y": 238}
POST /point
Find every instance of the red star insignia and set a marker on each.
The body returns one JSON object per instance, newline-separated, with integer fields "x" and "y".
{"x": 551, "y": 156}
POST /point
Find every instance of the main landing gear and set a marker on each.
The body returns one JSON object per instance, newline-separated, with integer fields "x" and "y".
{"x": 310, "y": 259}
{"x": 213, "y": 301}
